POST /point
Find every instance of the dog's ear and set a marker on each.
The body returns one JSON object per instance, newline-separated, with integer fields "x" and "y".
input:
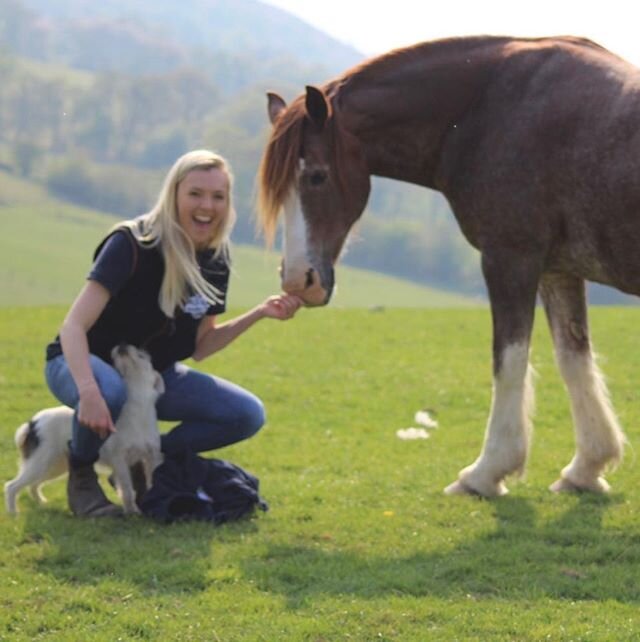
{"x": 158, "y": 382}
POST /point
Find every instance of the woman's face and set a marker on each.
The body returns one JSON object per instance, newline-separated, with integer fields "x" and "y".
{"x": 202, "y": 201}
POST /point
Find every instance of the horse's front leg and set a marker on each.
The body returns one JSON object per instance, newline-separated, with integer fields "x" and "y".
{"x": 512, "y": 283}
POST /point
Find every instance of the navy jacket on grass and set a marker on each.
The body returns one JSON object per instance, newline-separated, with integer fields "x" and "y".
{"x": 189, "y": 487}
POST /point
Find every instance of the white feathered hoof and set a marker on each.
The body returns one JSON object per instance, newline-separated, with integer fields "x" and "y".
{"x": 460, "y": 487}
{"x": 564, "y": 485}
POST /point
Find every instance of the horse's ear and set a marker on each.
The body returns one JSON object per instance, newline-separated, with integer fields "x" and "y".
{"x": 317, "y": 105}
{"x": 276, "y": 106}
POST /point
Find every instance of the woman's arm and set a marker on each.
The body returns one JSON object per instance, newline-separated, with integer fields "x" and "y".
{"x": 92, "y": 411}
{"x": 212, "y": 338}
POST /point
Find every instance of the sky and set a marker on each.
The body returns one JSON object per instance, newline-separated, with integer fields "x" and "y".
{"x": 375, "y": 27}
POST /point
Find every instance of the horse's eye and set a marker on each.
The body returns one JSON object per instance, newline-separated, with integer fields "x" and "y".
{"x": 317, "y": 178}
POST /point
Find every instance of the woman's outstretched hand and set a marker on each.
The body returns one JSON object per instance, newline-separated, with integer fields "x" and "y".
{"x": 281, "y": 306}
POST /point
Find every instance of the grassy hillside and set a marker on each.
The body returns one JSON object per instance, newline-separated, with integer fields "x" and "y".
{"x": 46, "y": 246}
{"x": 359, "y": 543}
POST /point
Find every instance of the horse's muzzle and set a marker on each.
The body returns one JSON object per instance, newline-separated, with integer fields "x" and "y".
{"x": 314, "y": 288}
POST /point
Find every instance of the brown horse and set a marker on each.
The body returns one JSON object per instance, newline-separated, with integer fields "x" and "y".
{"x": 536, "y": 145}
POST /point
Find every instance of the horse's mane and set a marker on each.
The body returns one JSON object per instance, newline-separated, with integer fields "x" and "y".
{"x": 278, "y": 166}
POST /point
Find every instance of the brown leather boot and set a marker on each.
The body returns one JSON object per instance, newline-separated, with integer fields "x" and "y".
{"x": 85, "y": 497}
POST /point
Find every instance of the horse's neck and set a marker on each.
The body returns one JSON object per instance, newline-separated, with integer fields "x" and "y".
{"x": 402, "y": 107}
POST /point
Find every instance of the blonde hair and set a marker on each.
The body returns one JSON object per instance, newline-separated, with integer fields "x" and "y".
{"x": 160, "y": 226}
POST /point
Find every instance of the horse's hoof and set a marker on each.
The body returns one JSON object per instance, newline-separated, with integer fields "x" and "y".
{"x": 460, "y": 488}
{"x": 564, "y": 485}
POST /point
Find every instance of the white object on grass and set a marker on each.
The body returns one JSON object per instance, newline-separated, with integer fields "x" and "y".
{"x": 408, "y": 434}
{"x": 423, "y": 418}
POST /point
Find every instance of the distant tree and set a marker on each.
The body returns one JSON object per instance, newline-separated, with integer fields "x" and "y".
{"x": 162, "y": 149}
{"x": 16, "y": 25}
{"x": 25, "y": 154}
{"x": 71, "y": 180}
{"x": 115, "y": 189}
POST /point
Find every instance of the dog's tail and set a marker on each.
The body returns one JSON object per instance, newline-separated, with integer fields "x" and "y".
{"x": 27, "y": 439}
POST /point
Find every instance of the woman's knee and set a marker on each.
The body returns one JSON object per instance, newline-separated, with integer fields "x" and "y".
{"x": 253, "y": 417}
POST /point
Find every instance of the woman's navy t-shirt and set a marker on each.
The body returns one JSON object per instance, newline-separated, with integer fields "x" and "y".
{"x": 133, "y": 273}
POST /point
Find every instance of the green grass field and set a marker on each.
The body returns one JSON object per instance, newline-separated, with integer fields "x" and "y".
{"x": 360, "y": 543}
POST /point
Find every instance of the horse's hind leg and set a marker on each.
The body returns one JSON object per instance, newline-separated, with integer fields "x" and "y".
{"x": 512, "y": 281}
{"x": 599, "y": 438}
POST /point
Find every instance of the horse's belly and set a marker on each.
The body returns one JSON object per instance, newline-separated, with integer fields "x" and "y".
{"x": 621, "y": 271}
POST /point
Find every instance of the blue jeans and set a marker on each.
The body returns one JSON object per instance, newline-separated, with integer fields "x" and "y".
{"x": 212, "y": 412}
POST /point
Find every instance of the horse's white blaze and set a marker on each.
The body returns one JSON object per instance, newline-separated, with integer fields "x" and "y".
{"x": 506, "y": 442}
{"x": 296, "y": 263}
{"x": 599, "y": 437}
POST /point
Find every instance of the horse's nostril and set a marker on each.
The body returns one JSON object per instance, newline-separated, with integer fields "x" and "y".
{"x": 309, "y": 278}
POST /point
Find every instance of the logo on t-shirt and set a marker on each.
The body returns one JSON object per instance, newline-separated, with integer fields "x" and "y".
{"x": 196, "y": 306}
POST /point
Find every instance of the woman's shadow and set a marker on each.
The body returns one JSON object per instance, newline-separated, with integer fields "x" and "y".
{"x": 573, "y": 557}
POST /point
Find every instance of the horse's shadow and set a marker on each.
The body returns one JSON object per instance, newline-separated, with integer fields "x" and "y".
{"x": 573, "y": 557}
{"x": 133, "y": 552}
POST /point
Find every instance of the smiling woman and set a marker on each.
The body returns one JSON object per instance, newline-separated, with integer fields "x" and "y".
{"x": 158, "y": 282}
{"x": 202, "y": 200}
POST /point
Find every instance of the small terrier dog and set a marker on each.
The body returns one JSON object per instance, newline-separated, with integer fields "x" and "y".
{"x": 43, "y": 441}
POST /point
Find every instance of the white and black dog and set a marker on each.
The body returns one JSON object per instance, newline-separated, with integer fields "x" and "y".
{"x": 43, "y": 441}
